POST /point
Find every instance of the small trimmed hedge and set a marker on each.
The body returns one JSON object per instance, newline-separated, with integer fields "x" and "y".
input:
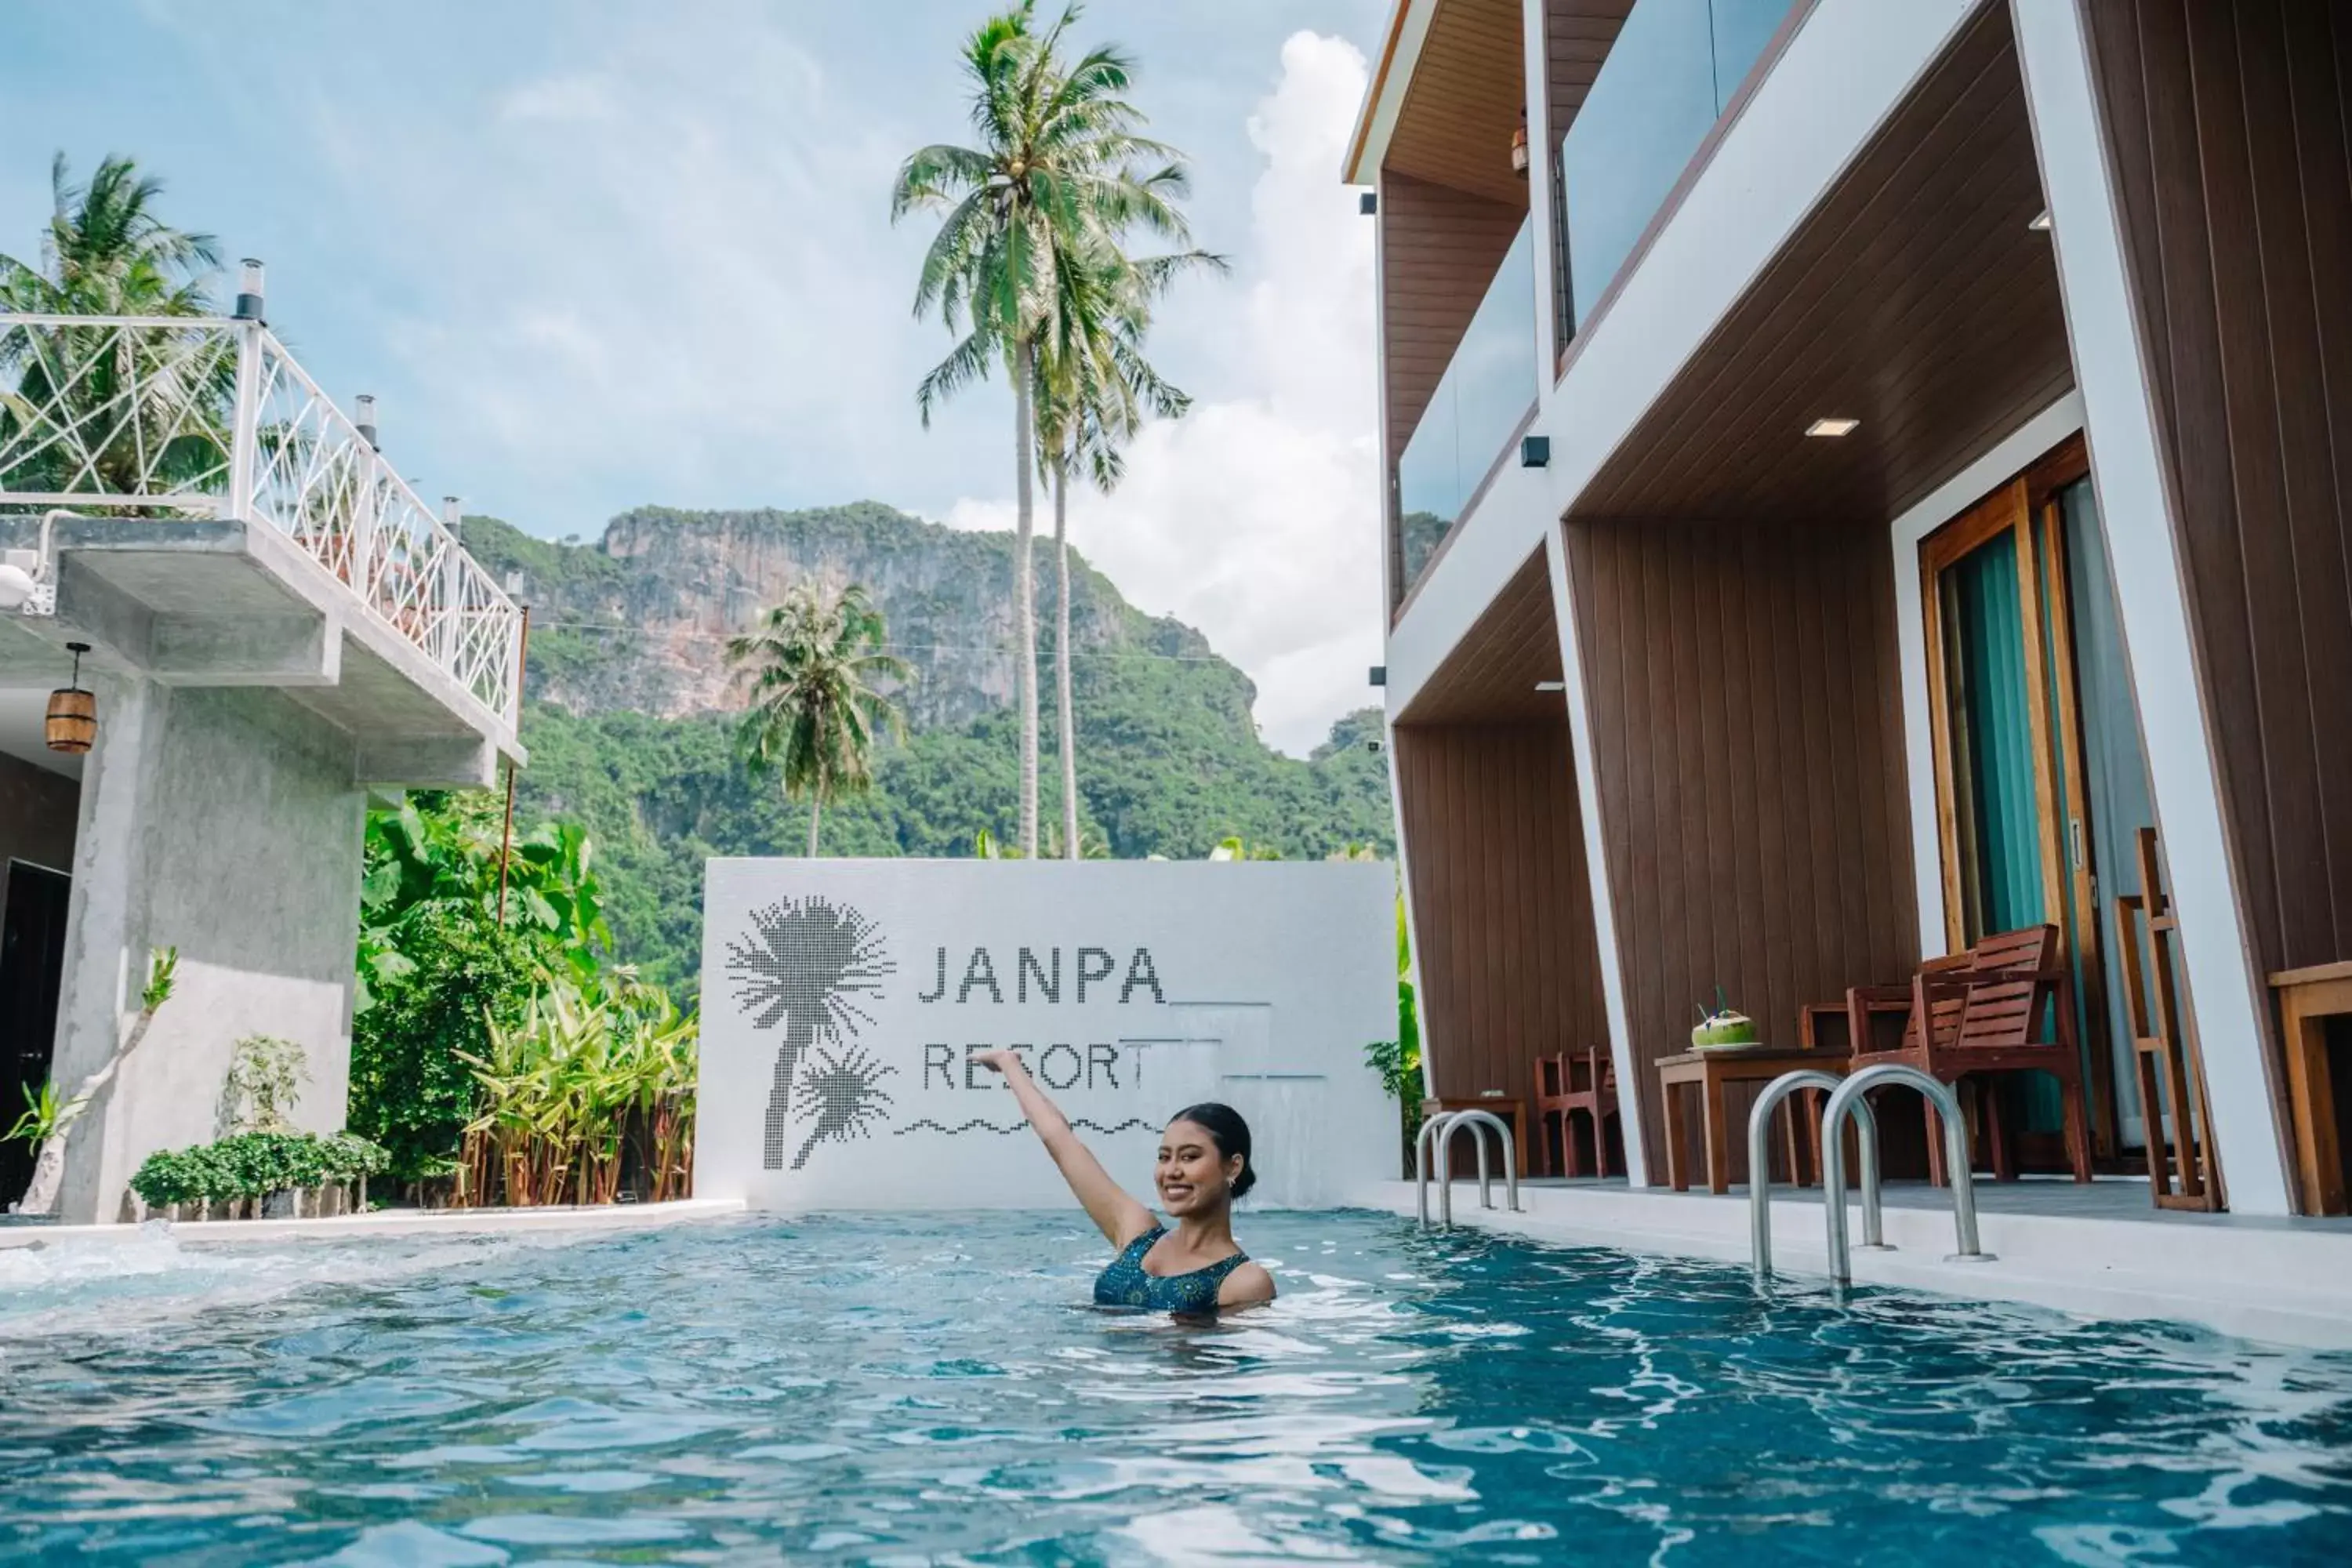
{"x": 252, "y": 1165}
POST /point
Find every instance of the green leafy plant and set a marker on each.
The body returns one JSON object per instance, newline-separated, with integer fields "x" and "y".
{"x": 1398, "y": 1061}
{"x": 47, "y": 1114}
{"x": 264, "y": 1078}
{"x": 249, "y": 1166}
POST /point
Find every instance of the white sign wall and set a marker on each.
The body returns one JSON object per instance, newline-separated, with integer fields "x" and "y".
{"x": 843, "y": 1003}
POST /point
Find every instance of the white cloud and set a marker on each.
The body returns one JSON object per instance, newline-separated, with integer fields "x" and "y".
{"x": 1256, "y": 518}
{"x": 563, "y": 98}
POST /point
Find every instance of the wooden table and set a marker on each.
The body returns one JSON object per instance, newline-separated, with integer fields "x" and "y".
{"x": 2307, "y": 999}
{"x": 1708, "y": 1071}
{"x": 1510, "y": 1107}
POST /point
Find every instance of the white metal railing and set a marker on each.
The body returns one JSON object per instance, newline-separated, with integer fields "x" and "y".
{"x": 211, "y": 415}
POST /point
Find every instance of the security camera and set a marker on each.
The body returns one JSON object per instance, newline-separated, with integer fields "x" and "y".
{"x": 1373, "y": 745}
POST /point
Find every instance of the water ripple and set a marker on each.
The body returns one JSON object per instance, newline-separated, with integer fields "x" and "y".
{"x": 921, "y": 1389}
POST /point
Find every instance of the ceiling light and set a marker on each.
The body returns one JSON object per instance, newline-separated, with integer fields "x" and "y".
{"x": 2040, "y": 221}
{"x": 1831, "y": 427}
{"x": 1552, "y": 686}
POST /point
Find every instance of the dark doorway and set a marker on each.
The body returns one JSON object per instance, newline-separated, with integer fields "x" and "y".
{"x": 32, "y": 967}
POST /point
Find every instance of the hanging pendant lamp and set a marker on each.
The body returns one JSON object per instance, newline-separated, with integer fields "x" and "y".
{"x": 73, "y": 712}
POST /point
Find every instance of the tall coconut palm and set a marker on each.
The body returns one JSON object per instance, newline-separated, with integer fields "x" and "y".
{"x": 66, "y": 395}
{"x": 1094, "y": 388}
{"x": 1060, "y": 164}
{"x": 815, "y": 660}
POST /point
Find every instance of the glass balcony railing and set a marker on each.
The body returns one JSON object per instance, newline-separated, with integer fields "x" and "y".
{"x": 1487, "y": 391}
{"x": 1668, "y": 79}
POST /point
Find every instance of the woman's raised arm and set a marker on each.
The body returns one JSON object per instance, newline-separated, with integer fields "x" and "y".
{"x": 1116, "y": 1215}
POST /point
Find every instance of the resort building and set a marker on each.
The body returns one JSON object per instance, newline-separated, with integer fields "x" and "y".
{"x": 1866, "y": 476}
{"x": 268, "y": 622}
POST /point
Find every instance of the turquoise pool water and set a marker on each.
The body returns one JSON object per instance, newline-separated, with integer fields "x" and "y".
{"x": 928, "y": 1390}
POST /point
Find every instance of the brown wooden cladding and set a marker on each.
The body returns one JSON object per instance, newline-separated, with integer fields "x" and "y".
{"x": 1502, "y": 906}
{"x": 1439, "y": 249}
{"x": 1748, "y": 734}
{"x": 1469, "y": 83}
{"x": 2227, "y": 129}
{"x": 1576, "y": 38}
{"x": 1491, "y": 676}
{"x": 1914, "y": 298}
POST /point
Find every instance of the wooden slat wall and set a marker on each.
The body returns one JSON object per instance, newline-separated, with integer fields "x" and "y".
{"x": 1747, "y": 731}
{"x": 1469, "y": 85}
{"x": 1439, "y": 249}
{"x": 1501, "y": 902}
{"x": 2228, "y": 128}
{"x": 1577, "y": 37}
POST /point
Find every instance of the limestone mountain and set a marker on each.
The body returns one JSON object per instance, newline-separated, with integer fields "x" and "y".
{"x": 631, "y": 709}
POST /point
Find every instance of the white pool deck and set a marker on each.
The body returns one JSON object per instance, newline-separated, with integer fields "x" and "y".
{"x": 2097, "y": 1251}
{"x": 391, "y": 1223}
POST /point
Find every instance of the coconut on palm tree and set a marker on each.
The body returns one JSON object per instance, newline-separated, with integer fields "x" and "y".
{"x": 1094, "y": 389}
{"x": 1060, "y": 165}
{"x": 815, "y": 661}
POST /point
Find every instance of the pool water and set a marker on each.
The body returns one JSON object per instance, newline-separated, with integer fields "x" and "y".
{"x": 928, "y": 1389}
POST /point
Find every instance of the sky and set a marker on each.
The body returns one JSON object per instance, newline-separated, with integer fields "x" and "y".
{"x": 608, "y": 253}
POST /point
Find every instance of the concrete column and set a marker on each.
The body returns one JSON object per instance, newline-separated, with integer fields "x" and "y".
{"x": 105, "y": 923}
{"x": 2227, "y": 994}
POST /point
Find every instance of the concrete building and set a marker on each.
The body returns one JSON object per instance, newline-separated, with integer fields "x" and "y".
{"x": 1855, "y": 465}
{"x": 274, "y": 624}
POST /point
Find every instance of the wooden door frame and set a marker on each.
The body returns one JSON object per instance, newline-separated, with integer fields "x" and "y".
{"x": 2054, "y": 725}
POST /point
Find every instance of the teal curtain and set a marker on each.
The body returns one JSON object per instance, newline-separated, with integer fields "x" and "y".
{"x": 1990, "y": 630}
{"x": 1991, "y": 625}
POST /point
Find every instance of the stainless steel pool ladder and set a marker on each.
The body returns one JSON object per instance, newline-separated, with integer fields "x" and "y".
{"x": 1760, "y": 1163}
{"x": 1438, "y": 1132}
{"x": 1956, "y": 1159}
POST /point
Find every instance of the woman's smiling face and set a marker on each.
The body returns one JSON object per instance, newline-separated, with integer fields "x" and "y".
{"x": 1192, "y": 1176}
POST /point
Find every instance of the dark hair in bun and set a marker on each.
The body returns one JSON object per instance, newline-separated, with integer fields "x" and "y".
{"x": 1229, "y": 1133}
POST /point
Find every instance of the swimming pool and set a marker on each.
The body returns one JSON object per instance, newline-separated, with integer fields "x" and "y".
{"x": 924, "y": 1389}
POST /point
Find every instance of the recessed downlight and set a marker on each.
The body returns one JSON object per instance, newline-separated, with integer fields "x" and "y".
{"x": 1552, "y": 686}
{"x": 1832, "y": 427}
{"x": 2040, "y": 224}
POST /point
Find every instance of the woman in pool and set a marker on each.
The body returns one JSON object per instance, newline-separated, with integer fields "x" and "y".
{"x": 1205, "y": 1165}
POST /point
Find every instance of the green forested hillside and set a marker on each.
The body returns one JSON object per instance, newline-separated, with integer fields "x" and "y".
{"x": 1170, "y": 761}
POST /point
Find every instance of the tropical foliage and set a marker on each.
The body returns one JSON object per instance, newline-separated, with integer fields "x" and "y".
{"x": 1398, "y": 1061}
{"x": 264, "y": 1078}
{"x": 56, "y": 1122}
{"x": 1060, "y": 176}
{"x": 592, "y": 1081}
{"x": 106, "y": 253}
{"x": 482, "y": 1035}
{"x": 245, "y": 1168}
{"x": 816, "y": 662}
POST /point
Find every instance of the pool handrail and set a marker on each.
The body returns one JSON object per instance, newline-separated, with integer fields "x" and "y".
{"x": 1760, "y": 1163}
{"x": 1454, "y": 1122}
{"x": 1956, "y": 1158}
{"x": 1430, "y": 1126}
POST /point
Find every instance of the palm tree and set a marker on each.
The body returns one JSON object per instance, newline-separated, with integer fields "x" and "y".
{"x": 1094, "y": 388}
{"x": 1057, "y": 170}
{"x": 814, "y": 713}
{"x": 106, "y": 253}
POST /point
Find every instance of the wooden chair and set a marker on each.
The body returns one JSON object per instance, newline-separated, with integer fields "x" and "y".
{"x": 1977, "y": 1020}
{"x": 1566, "y": 1084}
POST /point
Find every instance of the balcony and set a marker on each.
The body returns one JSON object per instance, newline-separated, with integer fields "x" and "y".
{"x": 213, "y": 517}
{"x": 1487, "y": 393}
{"x": 1671, "y": 72}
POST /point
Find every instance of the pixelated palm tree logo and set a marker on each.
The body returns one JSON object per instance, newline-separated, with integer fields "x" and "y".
{"x": 803, "y": 968}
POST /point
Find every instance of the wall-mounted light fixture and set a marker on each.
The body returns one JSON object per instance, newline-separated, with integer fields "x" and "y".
{"x": 1552, "y": 686}
{"x": 1379, "y": 675}
{"x": 72, "y": 724}
{"x": 2040, "y": 223}
{"x": 1369, "y": 203}
{"x": 1833, "y": 428}
{"x": 1519, "y": 145}
{"x": 364, "y": 415}
{"x": 1534, "y": 451}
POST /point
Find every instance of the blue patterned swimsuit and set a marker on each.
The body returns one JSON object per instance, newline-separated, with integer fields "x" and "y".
{"x": 1125, "y": 1284}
